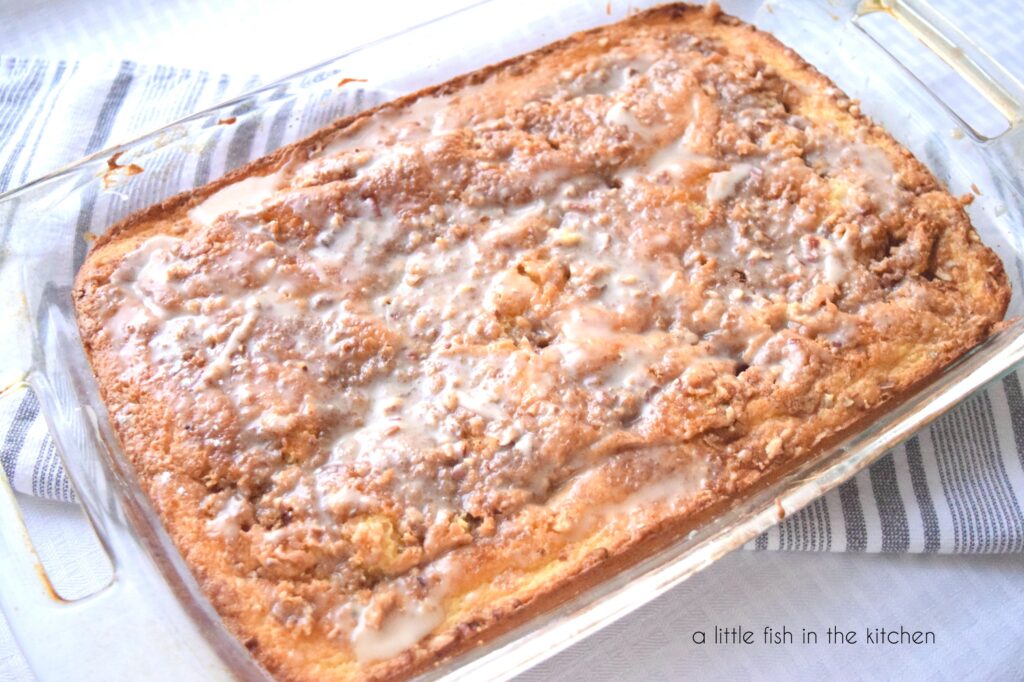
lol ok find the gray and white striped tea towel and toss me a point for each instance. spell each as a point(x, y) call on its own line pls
point(51, 114)
point(955, 487)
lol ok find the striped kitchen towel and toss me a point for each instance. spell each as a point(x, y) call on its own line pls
point(955, 487)
point(52, 114)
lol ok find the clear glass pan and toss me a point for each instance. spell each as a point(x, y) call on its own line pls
point(152, 620)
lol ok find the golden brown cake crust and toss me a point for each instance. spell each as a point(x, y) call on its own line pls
point(393, 386)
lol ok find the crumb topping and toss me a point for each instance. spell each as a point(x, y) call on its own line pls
point(626, 282)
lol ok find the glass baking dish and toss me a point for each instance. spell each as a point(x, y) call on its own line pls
point(152, 619)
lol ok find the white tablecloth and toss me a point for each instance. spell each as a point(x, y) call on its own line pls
point(973, 605)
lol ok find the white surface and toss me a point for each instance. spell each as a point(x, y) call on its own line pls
point(266, 37)
point(973, 604)
point(72, 557)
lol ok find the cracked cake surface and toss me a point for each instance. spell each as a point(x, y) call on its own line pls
point(397, 382)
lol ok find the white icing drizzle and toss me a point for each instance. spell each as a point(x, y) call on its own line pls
point(399, 631)
point(619, 115)
point(222, 362)
point(226, 523)
point(671, 490)
point(238, 196)
point(722, 185)
point(835, 268)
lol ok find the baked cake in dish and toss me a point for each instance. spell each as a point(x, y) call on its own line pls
point(395, 385)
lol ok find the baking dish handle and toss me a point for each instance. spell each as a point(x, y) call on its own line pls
point(992, 81)
point(971, 62)
point(87, 629)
